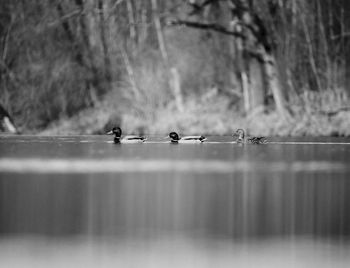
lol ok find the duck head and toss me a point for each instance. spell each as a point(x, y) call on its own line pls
point(117, 132)
point(239, 134)
point(174, 136)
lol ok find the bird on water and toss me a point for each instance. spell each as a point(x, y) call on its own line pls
point(175, 138)
point(6, 122)
point(241, 138)
point(126, 139)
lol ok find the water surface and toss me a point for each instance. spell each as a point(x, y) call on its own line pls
point(84, 201)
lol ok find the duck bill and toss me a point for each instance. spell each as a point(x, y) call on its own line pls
point(109, 132)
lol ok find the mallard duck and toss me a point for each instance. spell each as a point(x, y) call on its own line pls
point(241, 138)
point(6, 122)
point(175, 138)
point(126, 139)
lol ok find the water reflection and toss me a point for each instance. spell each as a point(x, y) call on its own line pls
point(245, 217)
point(236, 205)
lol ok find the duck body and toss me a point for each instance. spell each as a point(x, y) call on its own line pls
point(257, 140)
point(6, 122)
point(242, 139)
point(130, 139)
point(126, 139)
point(175, 138)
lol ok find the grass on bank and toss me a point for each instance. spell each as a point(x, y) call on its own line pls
point(313, 114)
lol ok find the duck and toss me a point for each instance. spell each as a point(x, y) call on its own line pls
point(241, 138)
point(175, 138)
point(6, 122)
point(117, 131)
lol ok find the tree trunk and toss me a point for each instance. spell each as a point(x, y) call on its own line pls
point(257, 83)
point(132, 26)
point(176, 84)
point(260, 64)
point(346, 6)
point(174, 80)
point(159, 31)
point(104, 29)
point(249, 70)
point(143, 26)
point(239, 66)
point(273, 82)
point(92, 46)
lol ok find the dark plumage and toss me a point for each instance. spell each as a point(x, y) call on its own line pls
point(6, 122)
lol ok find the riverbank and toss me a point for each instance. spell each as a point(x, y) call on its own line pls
point(311, 115)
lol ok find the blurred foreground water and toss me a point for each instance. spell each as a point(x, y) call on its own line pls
point(86, 202)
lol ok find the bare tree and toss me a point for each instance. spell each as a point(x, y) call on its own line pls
point(253, 51)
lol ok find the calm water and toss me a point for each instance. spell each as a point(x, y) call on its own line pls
point(85, 202)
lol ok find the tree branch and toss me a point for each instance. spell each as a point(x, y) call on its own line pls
point(63, 17)
point(197, 8)
point(205, 26)
point(345, 34)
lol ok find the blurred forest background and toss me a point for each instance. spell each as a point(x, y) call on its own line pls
point(274, 67)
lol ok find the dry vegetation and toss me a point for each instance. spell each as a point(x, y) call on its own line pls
point(314, 114)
